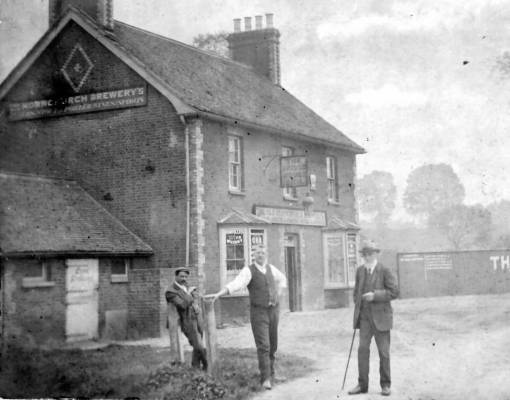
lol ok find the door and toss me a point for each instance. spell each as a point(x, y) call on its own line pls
point(82, 281)
point(293, 271)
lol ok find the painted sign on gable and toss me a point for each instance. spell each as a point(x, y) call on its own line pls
point(80, 103)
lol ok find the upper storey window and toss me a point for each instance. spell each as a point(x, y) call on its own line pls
point(235, 163)
point(331, 173)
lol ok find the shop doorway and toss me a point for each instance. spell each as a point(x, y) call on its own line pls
point(293, 270)
point(82, 306)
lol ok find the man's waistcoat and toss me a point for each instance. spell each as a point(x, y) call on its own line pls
point(262, 287)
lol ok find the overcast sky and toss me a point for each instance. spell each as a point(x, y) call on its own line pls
point(413, 81)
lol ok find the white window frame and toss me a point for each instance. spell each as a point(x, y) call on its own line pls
point(289, 193)
point(249, 248)
point(119, 278)
point(235, 163)
point(38, 281)
point(349, 277)
point(352, 256)
point(332, 178)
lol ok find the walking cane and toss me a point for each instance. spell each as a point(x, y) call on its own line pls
point(348, 359)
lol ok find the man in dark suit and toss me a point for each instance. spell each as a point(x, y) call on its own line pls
point(185, 301)
point(375, 287)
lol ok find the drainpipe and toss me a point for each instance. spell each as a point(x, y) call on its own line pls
point(2, 288)
point(188, 198)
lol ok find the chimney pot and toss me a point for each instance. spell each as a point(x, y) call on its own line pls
point(269, 20)
point(247, 23)
point(237, 25)
point(259, 48)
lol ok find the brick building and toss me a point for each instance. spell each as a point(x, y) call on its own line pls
point(188, 151)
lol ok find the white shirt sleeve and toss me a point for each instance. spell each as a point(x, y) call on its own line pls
point(240, 281)
point(279, 278)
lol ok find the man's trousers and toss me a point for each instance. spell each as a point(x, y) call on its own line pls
point(382, 339)
point(199, 355)
point(264, 324)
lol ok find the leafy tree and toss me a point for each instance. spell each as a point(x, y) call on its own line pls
point(500, 212)
point(376, 193)
point(432, 188)
point(215, 42)
point(503, 64)
point(464, 226)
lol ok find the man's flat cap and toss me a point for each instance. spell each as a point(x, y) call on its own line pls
point(182, 269)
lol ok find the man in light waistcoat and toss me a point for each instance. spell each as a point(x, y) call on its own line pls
point(265, 284)
point(374, 289)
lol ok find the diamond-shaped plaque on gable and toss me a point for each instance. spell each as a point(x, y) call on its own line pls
point(77, 68)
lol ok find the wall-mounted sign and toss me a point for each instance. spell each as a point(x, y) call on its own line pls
point(501, 262)
point(290, 216)
point(234, 238)
point(293, 171)
point(438, 261)
point(82, 103)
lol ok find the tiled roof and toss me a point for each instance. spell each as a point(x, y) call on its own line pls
point(220, 86)
point(52, 216)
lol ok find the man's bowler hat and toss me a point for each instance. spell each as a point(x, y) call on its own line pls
point(369, 247)
point(182, 269)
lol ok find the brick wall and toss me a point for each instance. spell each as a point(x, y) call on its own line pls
point(144, 303)
point(262, 186)
point(130, 160)
point(113, 303)
point(34, 316)
point(37, 316)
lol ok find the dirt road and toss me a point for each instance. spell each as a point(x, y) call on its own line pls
point(442, 348)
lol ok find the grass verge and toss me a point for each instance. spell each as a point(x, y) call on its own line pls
point(132, 371)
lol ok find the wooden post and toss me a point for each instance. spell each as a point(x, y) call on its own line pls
point(211, 342)
point(176, 350)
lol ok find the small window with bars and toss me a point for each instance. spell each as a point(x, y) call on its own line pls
point(119, 270)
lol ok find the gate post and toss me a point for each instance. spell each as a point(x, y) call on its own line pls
point(176, 350)
point(211, 342)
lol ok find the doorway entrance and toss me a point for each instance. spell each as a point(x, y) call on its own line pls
point(293, 270)
point(82, 306)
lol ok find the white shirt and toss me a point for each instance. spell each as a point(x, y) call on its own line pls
point(182, 287)
point(370, 266)
point(243, 279)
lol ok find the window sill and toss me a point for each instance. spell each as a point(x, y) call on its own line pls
point(119, 279)
point(333, 203)
point(290, 198)
point(36, 283)
point(236, 192)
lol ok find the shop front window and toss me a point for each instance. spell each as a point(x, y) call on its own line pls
point(340, 259)
point(238, 246)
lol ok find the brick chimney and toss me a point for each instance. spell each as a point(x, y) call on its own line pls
point(99, 10)
point(259, 47)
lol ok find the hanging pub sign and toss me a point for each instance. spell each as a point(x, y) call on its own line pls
point(77, 104)
point(293, 171)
